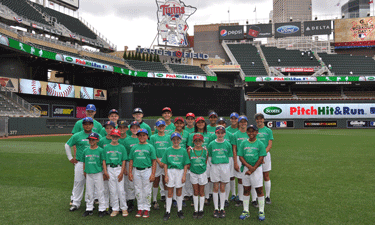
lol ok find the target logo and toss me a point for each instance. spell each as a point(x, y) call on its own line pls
point(223, 33)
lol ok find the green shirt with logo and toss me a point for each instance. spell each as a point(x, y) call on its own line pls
point(168, 129)
point(104, 142)
point(210, 129)
point(198, 161)
point(122, 141)
point(228, 137)
point(129, 143)
point(220, 152)
point(160, 143)
point(97, 128)
point(265, 135)
point(239, 137)
point(189, 130)
point(93, 159)
point(81, 141)
point(142, 155)
point(206, 139)
point(251, 151)
point(231, 130)
point(175, 158)
point(115, 154)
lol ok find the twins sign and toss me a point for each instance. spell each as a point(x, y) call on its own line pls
point(172, 25)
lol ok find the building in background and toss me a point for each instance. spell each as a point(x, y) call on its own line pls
point(297, 10)
point(356, 9)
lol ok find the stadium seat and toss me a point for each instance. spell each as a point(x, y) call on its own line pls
point(21, 8)
point(343, 64)
point(147, 66)
point(187, 69)
point(288, 58)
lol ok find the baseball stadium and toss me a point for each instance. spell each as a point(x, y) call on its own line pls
point(181, 131)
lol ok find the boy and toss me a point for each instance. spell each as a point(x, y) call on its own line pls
point(138, 116)
point(176, 161)
point(190, 118)
point(166, 113)
point(93, 164)
point(115, 156)
point(90, 112)
point(107, 127)
point(112, 116)
point(143, 164)
point(233, 128)
point(212, 126)
point(251, 153)
point(123, 128)
point(219, 152)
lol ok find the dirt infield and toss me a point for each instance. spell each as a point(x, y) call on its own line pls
point(26, 136)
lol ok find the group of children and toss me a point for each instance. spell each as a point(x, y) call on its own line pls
point(121, 162)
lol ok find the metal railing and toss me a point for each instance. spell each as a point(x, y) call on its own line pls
point(300, 43)
point(209, 71)
point(28, 108)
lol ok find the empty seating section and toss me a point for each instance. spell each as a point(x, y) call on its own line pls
point(147, 66)
point(288, 58)
point(248, 57)
point(187, 69)
point(21, 8)
point(8, 108)
point(318, 94)
point(343, 64)
point(270, 94)
point(358, 94)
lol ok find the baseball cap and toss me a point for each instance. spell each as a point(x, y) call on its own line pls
point(166, 109)
point(159, 123)
point(259, 115)
point(91, 107)
point(220, 128)
point(87, 120)
point(221, 119)
point(242, 118)
point(123, 123)
point(134, 123)
point(190, 114)
point(200, 119)
point(137, 110)
point(142, 131)
point(176, 134)
point(252, 126)
point(212, 114)
point(179, 119)
point(115, 132)
point(198, 136)
point(234, 114)
point(113, 111)
point(110, 123)
point(93, 136)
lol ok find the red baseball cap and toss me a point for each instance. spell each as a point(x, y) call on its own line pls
point(190, 114)
point(115, 132)
point(179, 119)
point(199, 119)
point(198, 136)
point(166, 109)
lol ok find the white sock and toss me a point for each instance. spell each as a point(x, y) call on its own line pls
point(206, 191)
point(240, 191)
point(161, 185)
point(227, 190)
point(155, 193)
point(216, 200)
point(169, 204)
point(246, 200)
point(211, 186)
point(201, 203)
point(261, 204)
point(222, 200)
point(233, 187)
point(267, 186)
point(253, 194)
point(179, 203)
point(195, 200)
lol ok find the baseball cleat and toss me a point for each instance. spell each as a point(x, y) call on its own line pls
point(268, 201)
point(261, 216)
point(87, 213)
point(73, 208)
point(255, 204)
point(166, 217)
point(244, 215)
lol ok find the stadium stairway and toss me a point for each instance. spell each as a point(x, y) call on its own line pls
point(13, 106)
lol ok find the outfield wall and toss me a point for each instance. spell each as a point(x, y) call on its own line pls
point(350, 114)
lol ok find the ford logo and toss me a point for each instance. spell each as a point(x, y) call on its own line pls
point(288, 29)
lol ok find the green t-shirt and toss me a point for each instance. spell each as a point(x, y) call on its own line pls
point(79, 127)
point(198, 161)
point(239, 137)
point(122, 141)
point(115, 154)
point(251, 151)
point(264, 135)
point(129, 143)
point(93, 159)
point(175, 158)
point(168, 129)
point(210, 129)
point(219, 152)
point(160, 143)
point(231, 130)
point(189, 130)
point(142, 155)
point(104, 141)
point(81, 141)
point(228, 137)
point(142, 125)
point(206, 138)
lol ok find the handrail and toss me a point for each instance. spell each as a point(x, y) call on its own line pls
point(28, 108)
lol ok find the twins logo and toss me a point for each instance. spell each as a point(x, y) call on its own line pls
point(223, 33)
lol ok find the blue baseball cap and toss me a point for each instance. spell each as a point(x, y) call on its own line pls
point(220, 128)
point(91, 107)
point(113, 111)
point(252, 126)
point(242, 118)
point(93, 136)
point(234, 114)
point(87, 120)
point(160, 122)
point(137, 110)
point(212, 114)
point(134, 123)
point(142, 131)
point(110, 123)
point(176, 134)
point(221, 119)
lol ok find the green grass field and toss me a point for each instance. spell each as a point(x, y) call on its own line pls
point(318, 177)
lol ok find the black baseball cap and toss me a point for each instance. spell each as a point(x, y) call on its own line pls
point(253, 127)
point(137, 110)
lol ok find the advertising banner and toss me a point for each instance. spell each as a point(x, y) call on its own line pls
point(176, 76)
point(73, 3)
point(100, 94)
point(84, 62)
point(60, 90)
point(296, 70)
point(354, 32)
point(290, 29)
point(84, 92)
point(44, 109)
point(279, 124)
point(231, 32)
point(317, 27)
point(316, 111)
point(310, 79)
point(33, 87)
point(80, 112)
point(62, 111)
point(360, 124)
point(317, 124)
point(11, 84)
point(259, 31)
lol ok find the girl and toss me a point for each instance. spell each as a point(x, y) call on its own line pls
point(166, 113)
point(233, 128)
point(190, 117)
point(213, 119)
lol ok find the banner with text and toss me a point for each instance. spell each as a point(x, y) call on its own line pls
point(44, 109)
point(259, 31)
point(360, 124)
point(317, 27)
point(290, 29)
point(11, 84)
point(310, 79)
point(177, 76)
point(354, 32)
point(62, 111)
point(231, 32)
